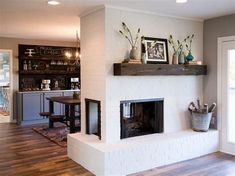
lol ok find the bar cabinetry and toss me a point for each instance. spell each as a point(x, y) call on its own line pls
point(31, 103)
point(37, 63)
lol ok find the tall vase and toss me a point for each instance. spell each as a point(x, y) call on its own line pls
point(189, 57)
point(175, 58)
point(181, 57)
point(134, 53)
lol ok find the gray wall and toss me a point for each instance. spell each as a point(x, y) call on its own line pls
point(214, 28)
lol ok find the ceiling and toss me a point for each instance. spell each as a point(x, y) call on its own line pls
point(35, 19)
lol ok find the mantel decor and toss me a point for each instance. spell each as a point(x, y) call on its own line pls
point(155, 49)
point(133, 57)
point(123, 69)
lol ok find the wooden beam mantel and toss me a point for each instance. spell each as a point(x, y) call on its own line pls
point(124, 69)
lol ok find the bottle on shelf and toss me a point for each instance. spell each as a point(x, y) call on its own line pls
point(25, 66)
point(56, 85)
point(29, 66)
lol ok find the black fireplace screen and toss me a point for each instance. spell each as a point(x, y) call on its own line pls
point(141, 117)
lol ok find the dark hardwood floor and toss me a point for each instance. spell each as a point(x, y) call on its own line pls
point(24, 152)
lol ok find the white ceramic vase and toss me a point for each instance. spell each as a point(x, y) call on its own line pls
point(134, 53)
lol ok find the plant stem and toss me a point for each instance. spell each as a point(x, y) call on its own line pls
point(136, 38)
point(131, 38)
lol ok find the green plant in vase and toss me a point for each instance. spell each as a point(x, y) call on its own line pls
point(127, 34)
point(76, 94)
point(189, 57)
point(178, 55)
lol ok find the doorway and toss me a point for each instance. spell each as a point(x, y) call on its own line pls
point(226, 92)
point(5, 86)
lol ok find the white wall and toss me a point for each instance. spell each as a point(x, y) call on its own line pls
point(102, 46)
point(177, 91)
point(92, 61)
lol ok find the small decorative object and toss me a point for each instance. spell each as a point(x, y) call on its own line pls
point(143, 51)
point(175, 59)
point(189, 57)
point(134, 53)
point(181, 59)
point(46, 84)
point(176, 48)
point(25, 66)
point(56, 84)
point(30, 52)
point(127, 34)
point(201, 117)
point(76, 95)
point(29, 66)
point(156, 50)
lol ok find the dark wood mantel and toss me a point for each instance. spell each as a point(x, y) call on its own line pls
point(124, 69)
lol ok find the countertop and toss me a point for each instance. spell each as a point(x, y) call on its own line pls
point(48, 91)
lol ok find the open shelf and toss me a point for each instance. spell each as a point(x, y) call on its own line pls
point(124, 69)
point(44, 72)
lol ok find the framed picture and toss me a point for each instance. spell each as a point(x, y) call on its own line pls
point(155, 49)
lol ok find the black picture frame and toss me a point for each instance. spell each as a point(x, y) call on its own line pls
point(155, 50)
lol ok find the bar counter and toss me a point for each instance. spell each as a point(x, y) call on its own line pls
point(31, 103)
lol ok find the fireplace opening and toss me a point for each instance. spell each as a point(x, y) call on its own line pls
point(93, 118)
point(141, 117)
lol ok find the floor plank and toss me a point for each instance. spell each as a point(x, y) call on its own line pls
point(216, 164)
point(24, 152)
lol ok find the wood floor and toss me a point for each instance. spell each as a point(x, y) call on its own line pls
point(24, 152)
point(216, 164)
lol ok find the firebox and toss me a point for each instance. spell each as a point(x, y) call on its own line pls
point(141, 117)
point(93, 117)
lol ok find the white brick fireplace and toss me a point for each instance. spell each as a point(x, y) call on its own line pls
point(101, 47)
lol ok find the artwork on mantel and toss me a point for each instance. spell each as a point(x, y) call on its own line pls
point(154, 50)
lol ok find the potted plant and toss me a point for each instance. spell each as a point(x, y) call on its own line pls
point(178, 55)
point(189, 57)
point(127, 34)
point(76, 94)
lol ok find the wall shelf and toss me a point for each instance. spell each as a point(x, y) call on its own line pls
point(45, 72)
point(124, 69)
point(38, 62)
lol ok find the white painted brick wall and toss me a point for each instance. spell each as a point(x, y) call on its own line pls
point(102, 46)
point(139, 153)
point(177, 91)
point(92, 61)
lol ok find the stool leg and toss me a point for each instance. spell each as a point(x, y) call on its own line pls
point(51, 124)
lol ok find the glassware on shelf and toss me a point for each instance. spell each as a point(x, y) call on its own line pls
point(29, 66)
point(53, 62)
point(25, 66)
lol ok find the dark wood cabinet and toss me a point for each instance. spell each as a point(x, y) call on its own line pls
point(37, 62)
